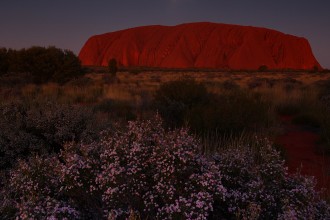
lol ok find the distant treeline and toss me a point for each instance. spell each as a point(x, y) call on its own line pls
point(41, 63)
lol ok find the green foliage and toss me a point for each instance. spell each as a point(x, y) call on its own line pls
point(256, 175)
point(159, 174)
point(69, 68)
point(175, 99)
point(186, 102)
point(43, 128)
point(43, 64)
point(263, 68)
point(3, 61)
point(315, 69)
point(112, 66)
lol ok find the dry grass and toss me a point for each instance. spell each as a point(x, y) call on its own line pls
point(139, 88)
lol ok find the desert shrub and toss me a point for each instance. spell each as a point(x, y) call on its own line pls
point(256, 83)
point(25, 130)
point(281, 149)
point(174, 99)
point(145, 169)
point(80, 82)
point(159, 174)
point(315, 69)
point(162, 169)
point(69, 68)
point(230, 84)
point(40, 63)
point(229, 113)
point(35, 188)
point(263, 68)
point(116, 109)
point(232, 111)
point(112, 67)
point(259, 186)
point(15, 80)
point(289, 83)
point(44, 64)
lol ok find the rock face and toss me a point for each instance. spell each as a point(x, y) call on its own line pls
point(200, 45)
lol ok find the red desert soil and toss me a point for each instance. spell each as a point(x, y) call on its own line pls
point(200, 45)
point(300, 146)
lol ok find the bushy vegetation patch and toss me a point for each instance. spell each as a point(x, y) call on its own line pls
point(188, 102)
point(43, 64)
point(116, 109)
point(259, 186)
point(149, 172)
point(31, 129)
point(175, 99)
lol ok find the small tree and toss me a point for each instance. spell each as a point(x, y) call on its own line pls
point(263, 68)
point(315, 69)
point(112, 65)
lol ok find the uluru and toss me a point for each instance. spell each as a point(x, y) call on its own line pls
point(200, 45)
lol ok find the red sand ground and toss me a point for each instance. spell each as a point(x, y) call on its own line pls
point(200, 45)
point(300, 146)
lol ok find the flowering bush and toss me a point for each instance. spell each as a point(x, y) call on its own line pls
point(35, 189)
point(157, 173)
point(144, 170)
point(259, 186)
point(148, 172)
point(25, 130)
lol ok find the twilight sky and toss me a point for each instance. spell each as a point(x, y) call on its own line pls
point(68, 24)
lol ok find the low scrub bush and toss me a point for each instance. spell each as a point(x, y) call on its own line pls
point(116, 109)
point(187, 102)
point(259, 186)
point(145, 169)
point(230, 84)
point(229, 113)
point(174, 99)
point(152, 173)
point(43, 64)
point(27, 130)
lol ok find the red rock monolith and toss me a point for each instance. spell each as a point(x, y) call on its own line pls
point(200, 45)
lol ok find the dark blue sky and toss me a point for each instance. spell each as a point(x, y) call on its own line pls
point(68, 23)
